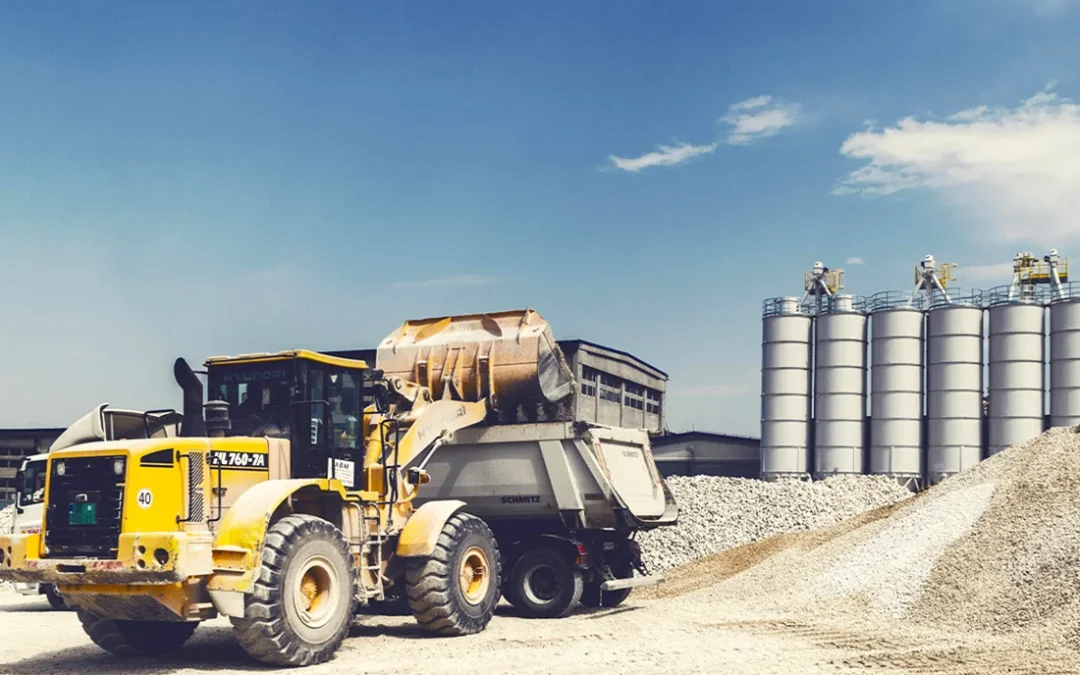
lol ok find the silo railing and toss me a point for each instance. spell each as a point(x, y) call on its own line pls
point(785, 306)
point(893, 299)
point(957, 297)
point(1024, 295)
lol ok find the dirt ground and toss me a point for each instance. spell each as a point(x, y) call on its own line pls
point(696, 632)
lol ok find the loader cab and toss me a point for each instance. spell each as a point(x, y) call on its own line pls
point(311, 399)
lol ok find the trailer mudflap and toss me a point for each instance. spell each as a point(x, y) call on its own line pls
point(633, 582)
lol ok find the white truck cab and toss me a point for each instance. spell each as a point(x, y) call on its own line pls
point(29, 512)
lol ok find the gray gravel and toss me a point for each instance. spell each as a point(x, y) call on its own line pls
point(1016, 570)
point(7, 519)
point(993, 551)
point(7, 524)
point(720, 513)
point(890, 567)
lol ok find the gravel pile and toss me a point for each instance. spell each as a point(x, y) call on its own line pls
point(7, 523)
point(1017, 569)
point(891, 566)
point(7, 519)
point(993, 550)
point(717, 513)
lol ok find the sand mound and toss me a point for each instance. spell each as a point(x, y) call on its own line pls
point(995, 549)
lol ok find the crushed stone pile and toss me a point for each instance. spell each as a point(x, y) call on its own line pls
point(717, 513)
point(7, 519)
point(7, 523)
point(993, 550)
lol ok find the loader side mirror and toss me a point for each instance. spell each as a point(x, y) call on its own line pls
point(382, 397)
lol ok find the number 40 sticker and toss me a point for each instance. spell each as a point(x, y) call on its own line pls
point(145, 498)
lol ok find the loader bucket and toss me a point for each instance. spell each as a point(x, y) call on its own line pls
point(509, 357)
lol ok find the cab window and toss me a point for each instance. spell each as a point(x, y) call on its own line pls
point(340, 390)
point(343, 392)
point(31, 484)
point(258, 396)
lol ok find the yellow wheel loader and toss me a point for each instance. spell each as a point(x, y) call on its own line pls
point(285, 502)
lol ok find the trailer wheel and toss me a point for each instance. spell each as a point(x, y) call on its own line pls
point(136, 638)
point(545, 584)
point(592, 596)
point(508, 591)
point(454, 590)
point(304, 599)
point(56, 601)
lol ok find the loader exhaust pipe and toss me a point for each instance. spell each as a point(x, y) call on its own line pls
point(193, 426)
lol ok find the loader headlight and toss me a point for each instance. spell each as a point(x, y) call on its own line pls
point(61, 468)
point(118, 467)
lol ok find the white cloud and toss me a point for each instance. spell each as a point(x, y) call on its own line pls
point(445, 282)
point(665, 155)
point(854, 260)
point(1049, 8)
point(751, 103)
point(1016, 172)
point(759, 117)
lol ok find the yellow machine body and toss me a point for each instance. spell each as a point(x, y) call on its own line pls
point(191, 513)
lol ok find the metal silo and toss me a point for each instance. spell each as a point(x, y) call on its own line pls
point(839, 388)
point(897, 328)
point(1017, 356)
point(954, 378)
point(785, 390)
point(1065, 358)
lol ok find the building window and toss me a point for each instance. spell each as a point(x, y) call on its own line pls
point(610, 388)
point(588, 381)
point(652, 402)
point(634, 396)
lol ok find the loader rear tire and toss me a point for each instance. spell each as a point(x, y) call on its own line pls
point(56, 601)
point(303, 602)
point(454, 591)
point(136, 638)
point(545, 584)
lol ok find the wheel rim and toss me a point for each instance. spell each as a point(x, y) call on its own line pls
point(315, 596)
point(541, 584)
point(474, 575)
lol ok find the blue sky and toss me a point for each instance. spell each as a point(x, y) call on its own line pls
point(208, 178)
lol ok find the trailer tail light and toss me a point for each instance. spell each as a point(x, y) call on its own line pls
point(583, 557)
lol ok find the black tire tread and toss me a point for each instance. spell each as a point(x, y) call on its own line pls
point(428, 582)
point(136, 638)
point(556, 611)
point(262, 631)
point(592, 596)
point(56, 601)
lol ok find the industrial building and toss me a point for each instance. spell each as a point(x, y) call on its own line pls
point(614, 388)
point(897, 384)
point(15, 444)
point(701, 453)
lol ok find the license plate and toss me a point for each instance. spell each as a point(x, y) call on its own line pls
point(84, 513)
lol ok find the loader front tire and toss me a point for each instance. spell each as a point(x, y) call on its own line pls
point(454, 590)
point(136, 638)
point(303, 602)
